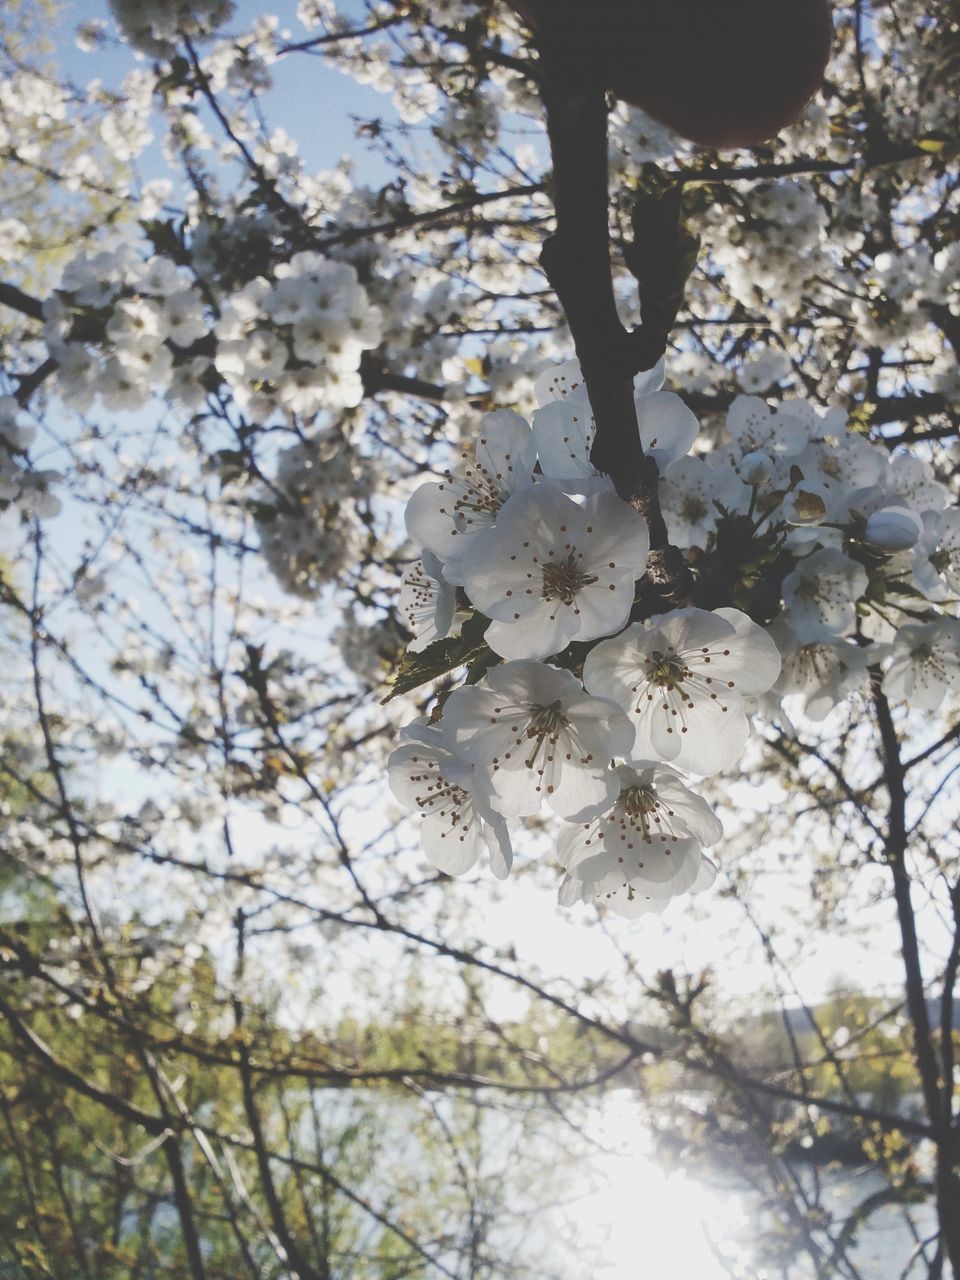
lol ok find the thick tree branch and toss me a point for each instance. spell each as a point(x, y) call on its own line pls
point(576, 260)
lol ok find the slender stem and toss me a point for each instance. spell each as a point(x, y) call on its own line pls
point(936, 1100)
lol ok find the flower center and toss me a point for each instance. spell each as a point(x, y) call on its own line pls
point(693, 509)
point(638, 801)
point(543, 726)
point(563, 579)
point(941, 560)
point(668, 670)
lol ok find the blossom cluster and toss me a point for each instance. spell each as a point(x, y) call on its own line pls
point(857, 551)
point(841, 562)
point(155, 26)
point(125, 329)
point(308, 534)
point(592, 713)
point(22, 486)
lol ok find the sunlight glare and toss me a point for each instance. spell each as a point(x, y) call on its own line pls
point(646, 1221)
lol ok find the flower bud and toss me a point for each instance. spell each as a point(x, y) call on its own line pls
point(893, 529)
point(756, 468)
point(803, 505)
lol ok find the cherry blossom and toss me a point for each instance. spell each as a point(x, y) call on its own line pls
point(653, 805)
point(818, 666)
point(936, 561)
point(427, 602)
point(823, 589)
point(458, 823)
point(564, 427)
point(925, 664)
point(446, 517)
point(753, 425)
point(692, 494)
point(682, 679)
point(552, 571)
point(540, 738)
point(643, 883)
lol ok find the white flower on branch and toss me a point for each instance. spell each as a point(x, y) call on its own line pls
point(540, 738)
point(552, 571)
point(564, 427)
point(818, 666)
point(692, 493)
point(936, 560)
point(427, 602)
point(823, 589)
point(445, 518)
point(925, 664)
point(458, 822)
point(653, 802)
point(683, 679)
point(641, 878)
point(753, 425)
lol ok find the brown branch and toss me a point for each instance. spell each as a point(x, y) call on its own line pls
point(889, 154)
point(278, 1218)
point(67, 1076)
point(891, 409)
point(11, 296)
point(403, 221)
point(936, 1101)
point(576, 260)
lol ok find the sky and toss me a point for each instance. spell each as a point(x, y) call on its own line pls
point(310, 99)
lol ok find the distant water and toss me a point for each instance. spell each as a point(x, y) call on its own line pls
point(647, 1223)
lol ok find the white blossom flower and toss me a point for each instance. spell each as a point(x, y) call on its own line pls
point(653, 803)
point(683, 679)
point(925, 664)
point(458, 823)
point(823, 589)
point(558, 382)
point(911, 479)
point(552, 571)
point(445, 518)
point(753, 425)
point(427, 602)
point(817, 665)
point(184, 318)
point(539, 737)
point(667, 427)
point(643, 885)
point(691, 494)
point(564, 431)
point(564, 427)
point(936, 561)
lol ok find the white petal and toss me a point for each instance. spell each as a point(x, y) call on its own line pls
point(543, 630)
point(667, 427)
point(755, 652)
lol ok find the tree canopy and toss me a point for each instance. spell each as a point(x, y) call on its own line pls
point(480, 582)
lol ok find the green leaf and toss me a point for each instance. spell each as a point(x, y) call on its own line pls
point(466, 649)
